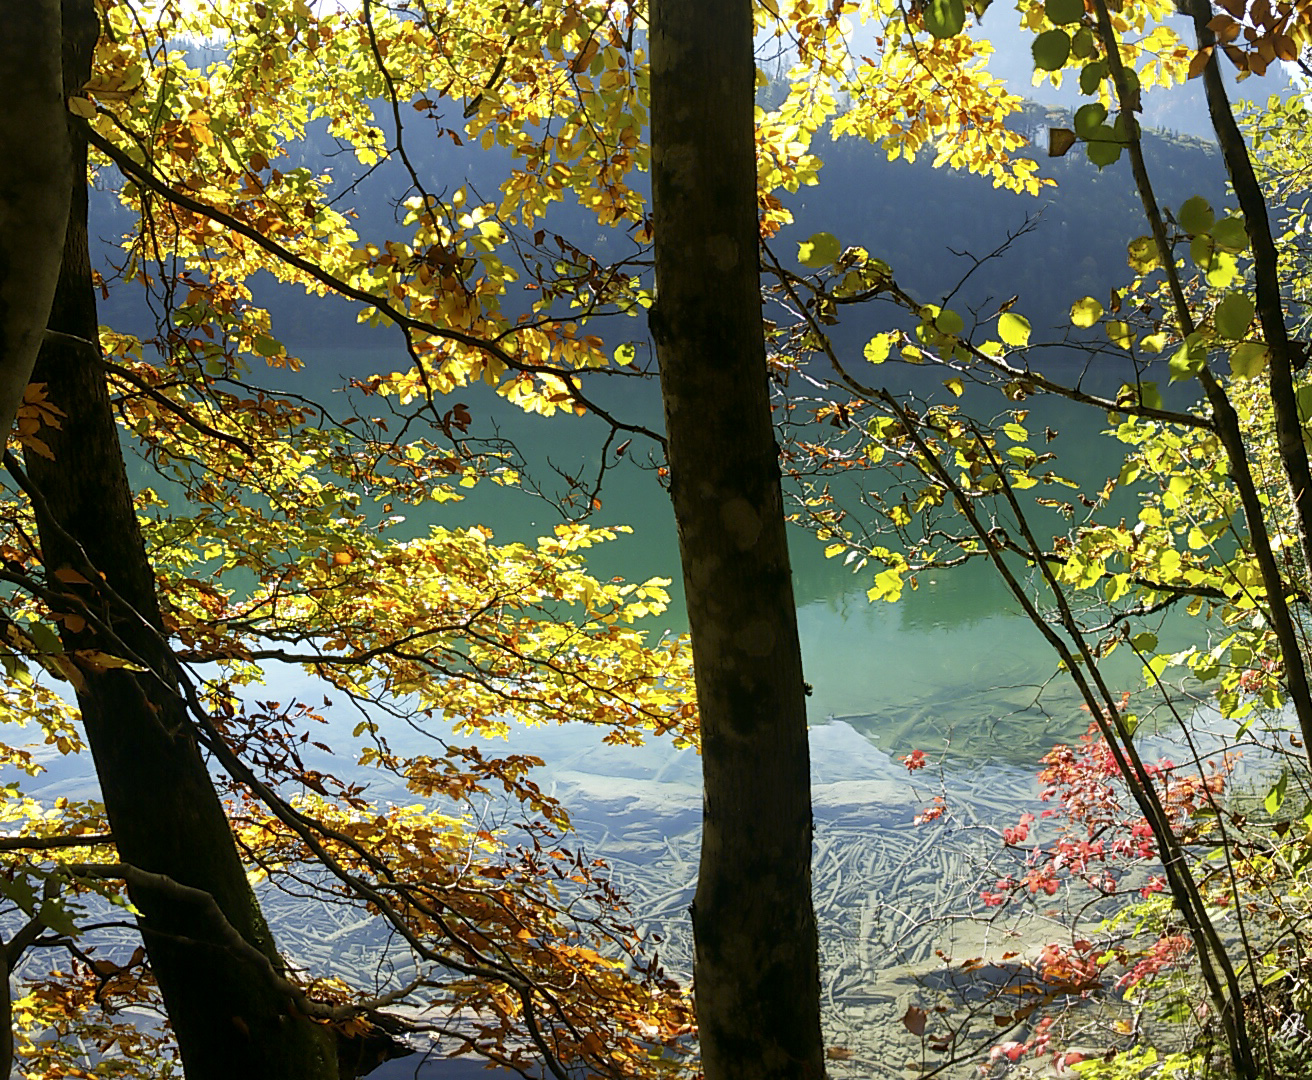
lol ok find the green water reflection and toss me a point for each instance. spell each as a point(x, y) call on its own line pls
point(953, 662)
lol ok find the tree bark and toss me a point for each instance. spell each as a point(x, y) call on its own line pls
point(756, 974)
point(36, 183)
point(229, 1019)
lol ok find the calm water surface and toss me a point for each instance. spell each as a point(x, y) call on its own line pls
point(953, 668)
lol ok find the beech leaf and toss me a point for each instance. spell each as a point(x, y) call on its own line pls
point(914, 1019)
point(1063, 12)
point(945, 18)
point(1195, 215)
point(1085, 312)
point(821, 250)
point(1059, 141)
point(1233, 315)
point(1014, 329)
point(1051, 50)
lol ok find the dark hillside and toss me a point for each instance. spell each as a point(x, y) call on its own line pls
point(909, 214)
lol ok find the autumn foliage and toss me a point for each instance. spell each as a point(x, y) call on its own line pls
point(326, 537)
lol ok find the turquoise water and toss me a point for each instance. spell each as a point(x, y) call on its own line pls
point(954, 668)
point(954, 658)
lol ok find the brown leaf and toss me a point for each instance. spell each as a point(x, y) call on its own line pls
point(914, 1020)
point(1200, 59)
point(1059, 141)
point(31, 442)
point(584, 57)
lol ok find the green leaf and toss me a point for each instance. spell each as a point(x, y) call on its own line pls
point(1103, 146)
point(957, 386)
point(1223, 269)
point(1085, 312)
point(267, 346)
point(1082, 44)
point(45, 638)
point(625, 355)
point(1234, 314)
point(1187, 361)
point(1144, 642)
point(1051, 49)
point(1276, 795)
point(1155, 343)
point(1092, 75)
point(1202, 250)
point(1195, 215)
point(1089, 118)
point(821, 250)
point(20, 891)
point(1132, 85)
point(948, 321)
point(56, 916)
point(945, 18)
point(1303, 398)
point(1229, 234)
point(1141, 254)
point(1063, 12)
point(1248, 359)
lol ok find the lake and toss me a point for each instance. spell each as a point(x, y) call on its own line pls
point(953, 669)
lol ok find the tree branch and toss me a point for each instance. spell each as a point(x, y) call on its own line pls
point(145, 176)
point(1270, 307)
point(1225, 419)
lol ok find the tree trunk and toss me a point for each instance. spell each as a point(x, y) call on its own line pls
point(756, 978)
point(36, 183)
point(163, 809)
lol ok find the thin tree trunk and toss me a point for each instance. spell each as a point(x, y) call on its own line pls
point(229, 1019)
point(36, 183)
point(756, 978)
point(1266, 280)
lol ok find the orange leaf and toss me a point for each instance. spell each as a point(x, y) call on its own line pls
point(1199, 61)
